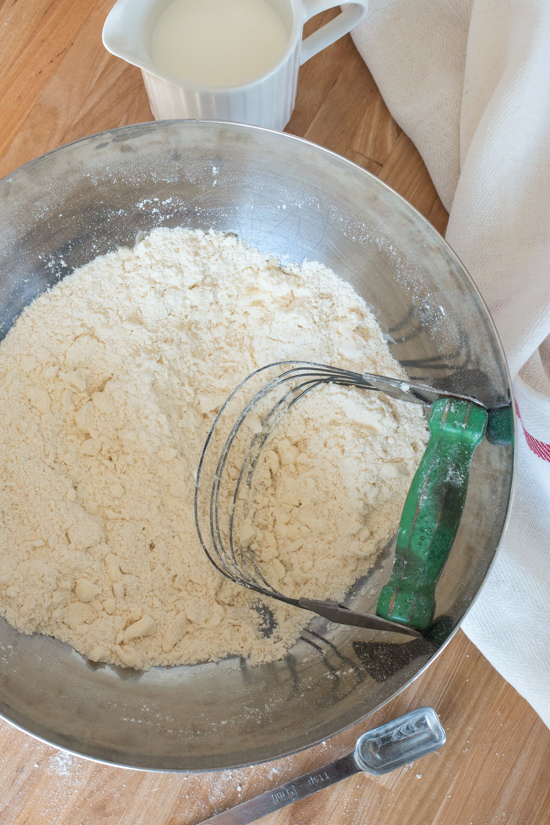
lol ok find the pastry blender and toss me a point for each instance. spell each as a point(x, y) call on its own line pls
point(431, 514)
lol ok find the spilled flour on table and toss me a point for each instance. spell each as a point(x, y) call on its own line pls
point(61, 763)
point(109, 385)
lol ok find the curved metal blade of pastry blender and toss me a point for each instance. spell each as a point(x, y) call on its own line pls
point(432, 510)
point(218, 491)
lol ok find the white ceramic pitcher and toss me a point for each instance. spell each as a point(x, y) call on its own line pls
point(267, 100)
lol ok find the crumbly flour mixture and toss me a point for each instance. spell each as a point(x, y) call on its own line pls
point(109, 385)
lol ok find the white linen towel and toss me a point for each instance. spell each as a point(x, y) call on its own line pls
point(469, 83)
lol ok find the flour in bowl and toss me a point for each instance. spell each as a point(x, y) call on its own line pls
point(109, 385)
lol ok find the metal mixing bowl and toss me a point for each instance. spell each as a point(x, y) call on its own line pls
point(296, 200)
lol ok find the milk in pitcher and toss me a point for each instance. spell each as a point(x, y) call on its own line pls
point(218, 42)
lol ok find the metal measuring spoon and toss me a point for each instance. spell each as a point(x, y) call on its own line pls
point(378, 751)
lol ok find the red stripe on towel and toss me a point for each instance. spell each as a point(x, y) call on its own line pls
point(538, 447)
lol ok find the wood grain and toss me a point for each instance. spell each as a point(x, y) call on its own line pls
point(57, 84)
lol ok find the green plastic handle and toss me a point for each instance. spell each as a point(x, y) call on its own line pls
point(432, 512)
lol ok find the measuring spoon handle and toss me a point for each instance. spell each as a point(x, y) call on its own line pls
point(378, 751)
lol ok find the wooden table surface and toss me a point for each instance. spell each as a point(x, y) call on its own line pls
point(57, 83)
